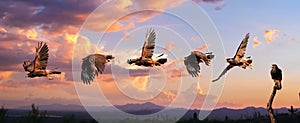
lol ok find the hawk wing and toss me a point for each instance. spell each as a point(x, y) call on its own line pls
point(191, 63)
point(148, 48)
point(224, 72)
point(91, 66)
point(192, 67)
point(41, 58)
point(276, 74)
point(242, 48)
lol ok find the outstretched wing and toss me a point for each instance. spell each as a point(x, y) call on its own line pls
point(192, 67)
point(224, 72)
point(41, 58)
point(91, 66)
point(192, 61)
point(149, 45)
point(242, 48)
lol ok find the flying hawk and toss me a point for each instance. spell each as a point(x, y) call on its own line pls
point(92, 65)
point(276, 75)
point(238, 59)
point(37, 67)
point(147, 53)
point(192, 61)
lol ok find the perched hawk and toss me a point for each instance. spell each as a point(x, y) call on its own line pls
point(92, 65)
point(147, 53)
point(238, 59)
point(276, 75)
point(37, 67)
point(192, 61)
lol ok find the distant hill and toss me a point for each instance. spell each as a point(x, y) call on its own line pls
point(234, 114)
point(140, 109)
point(149, 108)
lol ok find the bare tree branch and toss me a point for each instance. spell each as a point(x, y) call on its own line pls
point(269, 105)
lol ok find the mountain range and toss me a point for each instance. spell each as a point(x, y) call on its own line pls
point(149, 108)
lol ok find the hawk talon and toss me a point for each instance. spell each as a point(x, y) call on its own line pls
point(251, 66)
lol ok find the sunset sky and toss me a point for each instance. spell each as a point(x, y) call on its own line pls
point(75, 28)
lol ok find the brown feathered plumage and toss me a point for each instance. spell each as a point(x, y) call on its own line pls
point(238, 59)
point(92, 65)
point(147, 52)
point(37, 67)
point(276, 75)
point(192, 61)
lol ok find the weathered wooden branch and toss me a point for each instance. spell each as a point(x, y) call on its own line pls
point(269, 106)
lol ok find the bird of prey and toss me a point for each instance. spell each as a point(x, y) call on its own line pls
point(37, 67)
point(276, 75)
point(238, 59)
point(147, 53)
point(92, 65)
point(192, 61)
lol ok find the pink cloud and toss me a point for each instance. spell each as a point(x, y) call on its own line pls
point(256, 42)
point(270, 35)
point(169, 46)
point(204, 47)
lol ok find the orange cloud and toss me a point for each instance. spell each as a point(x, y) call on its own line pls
point(83, 48)
point(140, 16)
point(270, 35)
point(118, 26)
point(5, 74)
point(71, 38)
point(140, 82)
point(173, 71)
point(256, 42)
point(118, 8)
point(147, 4)
point(204, 47)
point(199, 89)
point(146, 15)
point(170, 96)
point(30, 33)
point(3, 30)
point(124, 4)
point(169, 46)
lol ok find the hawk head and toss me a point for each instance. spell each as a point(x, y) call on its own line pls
point(274, 66)
point(209, 55)
point(109, 57)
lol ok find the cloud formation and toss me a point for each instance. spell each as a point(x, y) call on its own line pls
point(49, 15)
point(208, 1)
point(169, 46)
point(204, 47)
point(256, 42)
point(270, 35)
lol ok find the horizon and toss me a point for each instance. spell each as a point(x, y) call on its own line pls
point(24, 107)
